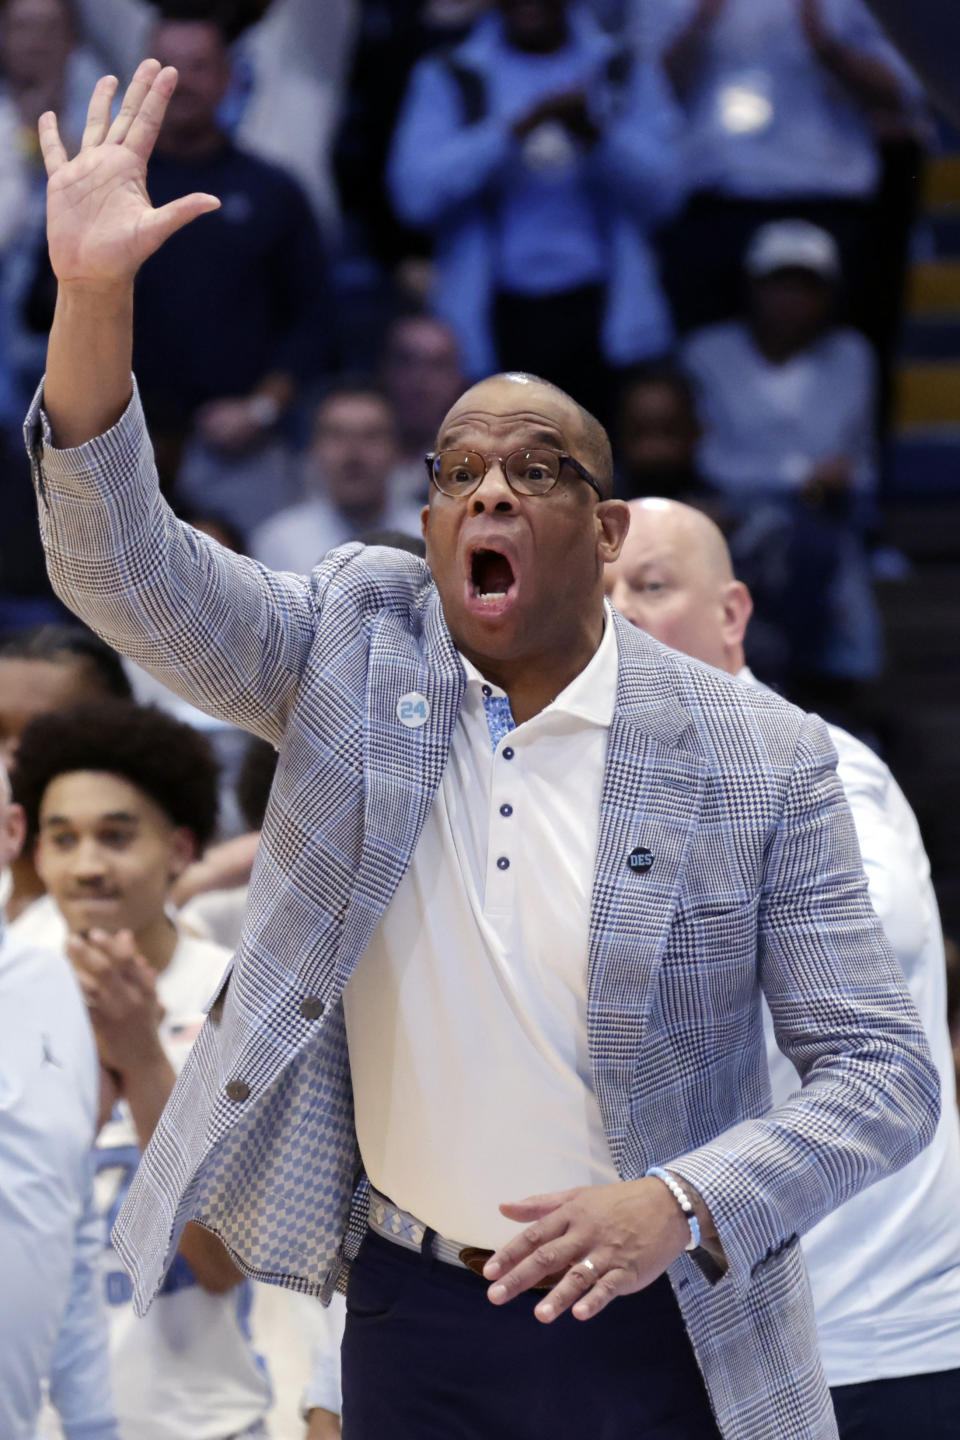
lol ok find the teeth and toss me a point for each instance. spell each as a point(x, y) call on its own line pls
point(492, 595)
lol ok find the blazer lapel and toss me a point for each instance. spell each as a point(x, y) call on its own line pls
point(413, 700)
point(652, 793)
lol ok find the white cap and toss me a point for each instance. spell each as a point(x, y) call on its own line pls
point(793, 244)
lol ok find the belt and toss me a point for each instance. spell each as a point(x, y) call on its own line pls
point(391, 1223)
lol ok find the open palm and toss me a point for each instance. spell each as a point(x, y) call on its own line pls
point(101, 225)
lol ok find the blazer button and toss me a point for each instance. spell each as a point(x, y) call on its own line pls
point(311, 1008)
point(237, 1090)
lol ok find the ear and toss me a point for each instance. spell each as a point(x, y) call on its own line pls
point(737, 609)
point(424, 517)
point(183, 851)
point(613, 518)
point(13, 830)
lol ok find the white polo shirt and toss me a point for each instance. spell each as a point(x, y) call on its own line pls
point(467, 1014)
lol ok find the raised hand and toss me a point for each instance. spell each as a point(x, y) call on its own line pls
point(101, 226)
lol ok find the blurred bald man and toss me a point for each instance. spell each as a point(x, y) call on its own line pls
point(885, 1267)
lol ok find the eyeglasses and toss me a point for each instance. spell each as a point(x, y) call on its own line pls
point(458, 473)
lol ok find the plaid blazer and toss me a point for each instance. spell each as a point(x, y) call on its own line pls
point(756, 883)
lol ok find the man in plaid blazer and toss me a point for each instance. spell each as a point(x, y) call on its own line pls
point(725, 865)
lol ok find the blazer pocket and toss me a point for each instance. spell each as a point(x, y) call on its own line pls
point(710, 929)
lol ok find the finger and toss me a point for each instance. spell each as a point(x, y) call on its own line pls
point(522, 1245)
point(145, 125)
point(98, 111)
point(118, 945)
point(51, 146)
point(163, 223)
point(579, 1282)
point(87, 958)
point(552, 1259)
point(534, 1207)
point(136, 92)
point(607, 1288)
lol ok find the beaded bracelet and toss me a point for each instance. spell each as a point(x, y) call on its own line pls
point(683, 1200)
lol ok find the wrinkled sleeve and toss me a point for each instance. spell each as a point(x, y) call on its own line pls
point(227, 634)
point(842, 1014)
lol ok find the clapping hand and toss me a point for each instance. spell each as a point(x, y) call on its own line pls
point(101, 226)
point(121, 994)
point(569, 109)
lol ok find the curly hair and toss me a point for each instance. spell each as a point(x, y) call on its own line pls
point(169, 761)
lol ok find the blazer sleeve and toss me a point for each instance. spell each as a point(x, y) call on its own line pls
point(870, 1096)
point(224, 632)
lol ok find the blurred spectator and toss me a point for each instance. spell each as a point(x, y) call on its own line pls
point(119, 798)
point(352, 457)
point(231, 313)
point(787, 397)
point(392, 35)
point(288, 61)
point(783, 98)
point(787, 403)
point(44, 669)
point(657, 435)
point(541, 156)
point(49, 1229)
point(420, 368)
point(42, 68)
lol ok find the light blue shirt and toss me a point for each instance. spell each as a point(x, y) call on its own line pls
point(550, 236)
point(766, 118)
point(49, 1233)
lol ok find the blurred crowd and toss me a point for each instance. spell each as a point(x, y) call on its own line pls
point(693, 215)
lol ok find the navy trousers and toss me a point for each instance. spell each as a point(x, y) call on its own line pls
point(427, 1357)
point(912, 1405)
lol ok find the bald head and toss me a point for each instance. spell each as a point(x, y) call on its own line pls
point(674, 579)
point(582, 432)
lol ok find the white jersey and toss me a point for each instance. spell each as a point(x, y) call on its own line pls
point(187, 1370)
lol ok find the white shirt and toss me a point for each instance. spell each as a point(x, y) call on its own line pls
point(298, 538)
point(767, 426)
point(48, 1109)
point(187, 1369)
point(885, 1267)
point(466, 1015)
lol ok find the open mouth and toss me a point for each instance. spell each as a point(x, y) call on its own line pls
point(491, 576)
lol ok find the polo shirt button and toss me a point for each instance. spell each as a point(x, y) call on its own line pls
point(311, 1008)
point(237, 1090)
point(503, 863)
point(506, 810)
point(486, 690)
point(508, 753)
